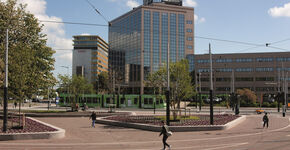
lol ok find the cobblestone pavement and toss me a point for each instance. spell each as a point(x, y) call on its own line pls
point(249, 135)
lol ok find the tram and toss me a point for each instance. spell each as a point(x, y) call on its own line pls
point(119, 101)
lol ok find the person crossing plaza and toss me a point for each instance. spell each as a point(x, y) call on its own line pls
point(265, 120)
point(94, 118)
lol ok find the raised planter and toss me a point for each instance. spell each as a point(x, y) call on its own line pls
point(56, 134)
point(155, 128)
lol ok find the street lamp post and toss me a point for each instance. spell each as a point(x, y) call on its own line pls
point(67, 67)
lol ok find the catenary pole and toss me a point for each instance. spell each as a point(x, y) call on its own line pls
point(211, 87)
point(5, 86)
point(168, 90)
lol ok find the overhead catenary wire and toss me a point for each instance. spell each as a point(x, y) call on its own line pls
point(199, 37)
point(97, 10)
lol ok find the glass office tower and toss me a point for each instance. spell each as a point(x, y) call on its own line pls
point(139, 41)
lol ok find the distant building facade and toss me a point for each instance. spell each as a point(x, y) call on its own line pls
point(263, 73)
point(140, 38)
point(90, 56)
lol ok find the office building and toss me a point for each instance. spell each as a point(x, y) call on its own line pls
point(90, 56)
point(263, 73)
point(139, 40)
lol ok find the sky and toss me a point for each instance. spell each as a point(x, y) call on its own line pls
point(230, 26)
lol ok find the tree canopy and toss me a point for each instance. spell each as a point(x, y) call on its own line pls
point(30, 60)
point(180, 82)
point(247, 95)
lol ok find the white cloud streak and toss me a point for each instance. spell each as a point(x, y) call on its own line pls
point(280, 11)
point(55, 32)
point(132, 3)
point(198, 20)
point(189, 3)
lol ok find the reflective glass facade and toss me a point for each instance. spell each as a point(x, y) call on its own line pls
point(125, 47)
point(139, 40)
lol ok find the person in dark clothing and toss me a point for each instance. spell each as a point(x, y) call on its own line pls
point(94, 118)
point(15, 104)
point(164, 131)
point(265, 120)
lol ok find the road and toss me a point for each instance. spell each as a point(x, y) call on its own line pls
point(249, 135)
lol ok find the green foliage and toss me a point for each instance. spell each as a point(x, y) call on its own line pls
point(76, 85)
point(30, 60)
point(180, 82)
point(247, 96)
point(102, 83)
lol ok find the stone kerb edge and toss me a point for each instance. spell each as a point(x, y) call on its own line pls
point(235, 122)
point(60, 133)
point(155, 128)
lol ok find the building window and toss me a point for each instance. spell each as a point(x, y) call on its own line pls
point(226, 60)
point(223, 89)
point(223, 69)
point(241, 79)
point(266, 59)
point(203, 70)
point(264, 78)
point(189, 30)
point(264, 88)
point(244, 60)
point(244, 69)
point(283, 59)
point(264, 69)
point(189, 38)
point(188, 21)
point(223, 79)
point(189, 47)
point(202, 61)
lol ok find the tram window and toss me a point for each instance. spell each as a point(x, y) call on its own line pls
point(122, 100)
point(95, 100)
point(150, 101)
point(157, 101)
point(98, 100)
point(108, 100)
point(89, 100)
point(135, 101)
point(161, 101)
point(146, 101)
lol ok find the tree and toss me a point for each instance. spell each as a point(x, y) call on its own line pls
point(102, 83)
point(246, 95)
point(157, 80)
point(30, 60)
point(181, 87)
point(75, 86)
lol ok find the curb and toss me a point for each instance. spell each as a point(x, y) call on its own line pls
point(155, 128)
point(60, 133)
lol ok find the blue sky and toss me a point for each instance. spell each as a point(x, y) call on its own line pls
point(252, 21)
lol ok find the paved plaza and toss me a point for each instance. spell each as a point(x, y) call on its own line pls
point(249, 135)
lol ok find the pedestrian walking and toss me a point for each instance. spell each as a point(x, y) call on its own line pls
point(15, 105)
point(94, 118)
point(166, 133)
point(265, 120)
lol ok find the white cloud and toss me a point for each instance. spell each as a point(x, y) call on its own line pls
point(280, 11)
point(132, 3)
point(65, 56)
point(201, 20)
point(55, 32)
point(198, 20)
point(189, 3)
point(85, 34)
